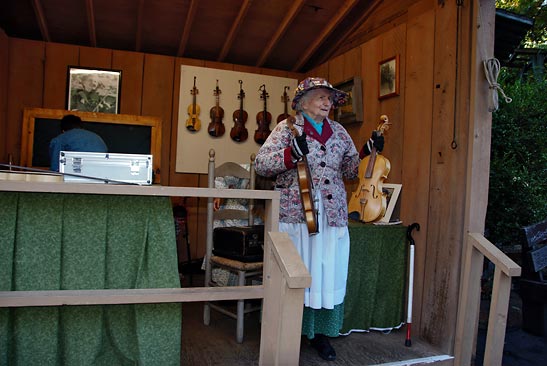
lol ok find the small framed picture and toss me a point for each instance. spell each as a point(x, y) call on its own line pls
point(352, 111)
point(93, 90)
point(388, 77)
point(393, 191)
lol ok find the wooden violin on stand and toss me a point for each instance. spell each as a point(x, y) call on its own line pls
point(239, 132)
point(193, 123)
point(305, 184)
point(263, 119)
point(285, 100)
point(369, 200)
point(216, 127)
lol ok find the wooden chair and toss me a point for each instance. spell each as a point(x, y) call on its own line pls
point(244, 270)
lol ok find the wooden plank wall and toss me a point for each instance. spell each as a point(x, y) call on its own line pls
point(35, 74)
point(4, 42)
point(428, 115)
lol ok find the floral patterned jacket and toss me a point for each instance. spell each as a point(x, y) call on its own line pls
point(332, 158)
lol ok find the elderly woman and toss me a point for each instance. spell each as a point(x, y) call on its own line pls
point(331, 157)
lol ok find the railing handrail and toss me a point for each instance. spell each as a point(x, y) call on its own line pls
point(495, 255)
point(285, 275)
point(476, 248)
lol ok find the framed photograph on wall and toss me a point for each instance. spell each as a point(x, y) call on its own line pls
point(393, 192)
point(388, 77)
point(93, 90)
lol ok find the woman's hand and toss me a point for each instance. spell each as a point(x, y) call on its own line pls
point(216, 204)
point(375, 140)
point(299, 147)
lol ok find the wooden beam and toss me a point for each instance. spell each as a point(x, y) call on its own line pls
point(127, 296)
point(335, 46)
point(495, 255)
point(91, 23)
point(344, 10)
point(235, 26)
point(187, 26)
point(39, 12)
point(138, 37)
point(287, 20)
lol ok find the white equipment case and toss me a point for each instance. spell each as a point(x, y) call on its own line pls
point(92, 167)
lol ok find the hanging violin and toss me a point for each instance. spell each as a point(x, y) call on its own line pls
point(285, 100)
point(369, 200)
point(193, 123)
point(305, 185)
point(239, 133)
point(263, 119)
point(216, 127)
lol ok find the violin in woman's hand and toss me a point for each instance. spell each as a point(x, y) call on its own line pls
point(263, 118)
point(239, 132)
point(370, 200)
point(216, 127)
point(193, 122)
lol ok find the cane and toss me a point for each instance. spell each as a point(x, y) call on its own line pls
point(413, 226)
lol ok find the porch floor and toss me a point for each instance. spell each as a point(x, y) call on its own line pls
point(216, 345)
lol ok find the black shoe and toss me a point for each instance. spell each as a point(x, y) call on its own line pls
point(322, 346)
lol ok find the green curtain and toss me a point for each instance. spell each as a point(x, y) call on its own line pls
point(376, 278)
point(74, 241)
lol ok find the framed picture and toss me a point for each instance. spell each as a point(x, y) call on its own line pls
point(352, 111)
point(393, 192)
point(93, 90)
point(388, 77)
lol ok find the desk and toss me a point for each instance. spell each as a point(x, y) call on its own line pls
point(53, 241)
point(376, 277)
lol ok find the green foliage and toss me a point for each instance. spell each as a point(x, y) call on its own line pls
point(518, 165)
point(535, 9)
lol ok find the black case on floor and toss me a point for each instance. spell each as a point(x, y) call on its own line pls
point(242, 243)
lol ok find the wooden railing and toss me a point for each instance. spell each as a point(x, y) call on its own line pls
point(477, 248)
point(285, 276)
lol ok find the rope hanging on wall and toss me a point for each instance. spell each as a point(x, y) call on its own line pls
point(492, 70)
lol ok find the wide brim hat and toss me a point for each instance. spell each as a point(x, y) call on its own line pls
point(338, 96)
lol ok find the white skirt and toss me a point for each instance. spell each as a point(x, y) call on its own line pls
point(326, 256)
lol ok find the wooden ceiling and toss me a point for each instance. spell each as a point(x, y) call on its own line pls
point(290, 35)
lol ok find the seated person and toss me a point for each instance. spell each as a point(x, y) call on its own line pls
point(74, 137)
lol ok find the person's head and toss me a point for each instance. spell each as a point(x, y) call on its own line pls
point(70, 121)
point(315, 95)
point(89, 83)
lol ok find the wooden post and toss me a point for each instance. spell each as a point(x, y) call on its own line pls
point(497, 320)
point(285, 278)
point(468, 305)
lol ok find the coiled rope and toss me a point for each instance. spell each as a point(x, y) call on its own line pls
point(492, 70)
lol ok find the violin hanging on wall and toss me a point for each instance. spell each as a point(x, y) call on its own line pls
point(239, 132)
point(285, 100)
point(369, 200)
point(216, 127)
point(193, 122)
point(263, 118)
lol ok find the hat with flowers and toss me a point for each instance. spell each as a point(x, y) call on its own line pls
point(338, 96)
